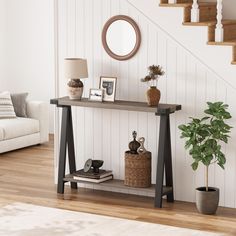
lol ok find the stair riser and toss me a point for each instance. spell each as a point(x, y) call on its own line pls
point(207, 13)
point(234, 55)
point(211, 33)
point(229, 33)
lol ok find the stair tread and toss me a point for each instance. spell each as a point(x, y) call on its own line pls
point(203, 23)
point(231, 42)
point(187, 4)
point(209, 23)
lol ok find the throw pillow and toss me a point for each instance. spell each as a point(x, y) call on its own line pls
point(19, 103)
point(6, 107)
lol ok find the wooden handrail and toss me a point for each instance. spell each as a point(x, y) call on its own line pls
point(219, 31)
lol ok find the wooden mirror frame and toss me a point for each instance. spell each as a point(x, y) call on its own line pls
point(137, 32)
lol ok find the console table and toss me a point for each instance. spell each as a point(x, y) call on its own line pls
point(164, 163)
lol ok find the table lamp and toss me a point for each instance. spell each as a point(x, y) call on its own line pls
point(75, 69)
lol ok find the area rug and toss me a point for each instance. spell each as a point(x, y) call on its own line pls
point(31, 220)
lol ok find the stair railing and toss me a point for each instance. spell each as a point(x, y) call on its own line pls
point(195, 15)
point(219, 31)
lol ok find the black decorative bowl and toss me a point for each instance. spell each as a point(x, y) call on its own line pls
point(96, 164)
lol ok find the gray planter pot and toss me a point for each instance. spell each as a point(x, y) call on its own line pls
point(207, 202)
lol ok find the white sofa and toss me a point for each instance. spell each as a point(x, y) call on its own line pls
point(22, 132)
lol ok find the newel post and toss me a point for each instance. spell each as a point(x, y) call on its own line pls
point(219, 31)
point(195, 13)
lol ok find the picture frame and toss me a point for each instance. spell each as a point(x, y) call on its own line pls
point(96, 95)
point(108, 84)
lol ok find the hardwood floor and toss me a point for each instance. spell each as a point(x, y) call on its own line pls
point(27, 176)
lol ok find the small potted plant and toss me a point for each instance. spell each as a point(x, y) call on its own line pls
point(153, 94)
point(203, 140)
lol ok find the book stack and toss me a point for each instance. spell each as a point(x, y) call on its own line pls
point(93, 177)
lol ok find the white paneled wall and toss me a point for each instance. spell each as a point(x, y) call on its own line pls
point(27, 52)
point(104, 134)
point(3, 81)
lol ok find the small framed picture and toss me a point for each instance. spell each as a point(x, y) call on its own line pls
point(108, 84)
point(96, 95)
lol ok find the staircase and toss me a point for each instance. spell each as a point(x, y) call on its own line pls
point(221, 32)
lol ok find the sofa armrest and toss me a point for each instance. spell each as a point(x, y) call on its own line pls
point(40, 111)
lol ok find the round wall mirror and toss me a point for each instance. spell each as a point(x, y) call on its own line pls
point(121, 37)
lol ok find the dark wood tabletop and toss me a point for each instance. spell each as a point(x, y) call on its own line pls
point(118, 105)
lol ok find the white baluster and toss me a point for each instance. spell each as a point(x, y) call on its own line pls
point(219, 31)
point(195, 14)
point(172, 1)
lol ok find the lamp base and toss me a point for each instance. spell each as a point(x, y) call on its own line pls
point(75, 89)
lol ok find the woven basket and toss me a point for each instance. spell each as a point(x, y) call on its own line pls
point(138, 169)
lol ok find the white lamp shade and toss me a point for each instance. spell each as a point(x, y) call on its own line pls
point(76, 68)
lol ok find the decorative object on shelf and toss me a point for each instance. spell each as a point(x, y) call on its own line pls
point(94, 164)
point(108, 84)
point(134, 145)
point(153, 94)
point(96, 95)
point(117, 28)
point(138, 169)
point(141, 149)
point(91, 174)
point(93, 180)
point(88, 165)
point(137, 164)
point(75, 69)
point(204, 137)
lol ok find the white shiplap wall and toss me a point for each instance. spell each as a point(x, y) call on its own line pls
point(3, 81)
point(104, 134)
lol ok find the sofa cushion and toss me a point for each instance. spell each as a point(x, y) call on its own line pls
point(19, 103)
point(13, 128)
point(6, 107)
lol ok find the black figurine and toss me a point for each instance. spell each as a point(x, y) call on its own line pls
point(134, 145)
point(96, 164)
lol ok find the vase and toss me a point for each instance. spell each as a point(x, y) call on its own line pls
point(153, 96)
point(75, 93)
point(75, 89)
point(134, 145)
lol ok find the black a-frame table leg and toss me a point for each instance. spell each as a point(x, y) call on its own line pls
point(164, 162)
point(168, 163)
point(62, 153)
point(71, 147)
point(67, 140)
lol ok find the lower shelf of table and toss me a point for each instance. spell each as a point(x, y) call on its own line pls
point(118, 186)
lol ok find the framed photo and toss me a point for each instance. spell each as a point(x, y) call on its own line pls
point(108, 84)
point(96, 95)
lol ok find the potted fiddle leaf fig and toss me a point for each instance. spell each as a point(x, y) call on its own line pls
point(203, 140)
